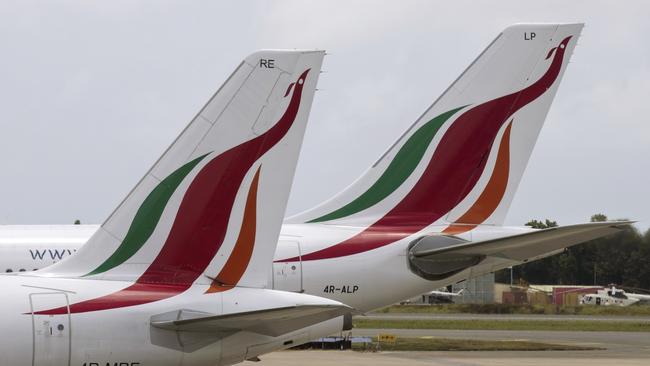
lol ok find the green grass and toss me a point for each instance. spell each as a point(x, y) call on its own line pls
point(444, 344)
point(636, 310)
point(461, 324)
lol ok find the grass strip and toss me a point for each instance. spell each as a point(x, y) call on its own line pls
point(636, 310)
point(514, 324)
point(446, 344)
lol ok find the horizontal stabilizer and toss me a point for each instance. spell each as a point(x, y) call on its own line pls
point(270, 322)
point(437, 257)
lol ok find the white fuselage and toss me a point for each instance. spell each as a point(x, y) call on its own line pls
point(364, 281)
point(82, 338)
point(371, 279)
point(31, 247)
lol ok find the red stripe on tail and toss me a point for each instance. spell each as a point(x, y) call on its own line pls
point(201, 222)
point(452, 172)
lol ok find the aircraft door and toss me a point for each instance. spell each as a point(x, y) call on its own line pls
point(287, 276)
point(51, 333)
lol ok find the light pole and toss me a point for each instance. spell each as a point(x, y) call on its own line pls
point(511, 277)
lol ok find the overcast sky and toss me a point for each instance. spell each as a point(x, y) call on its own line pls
point(92, 92)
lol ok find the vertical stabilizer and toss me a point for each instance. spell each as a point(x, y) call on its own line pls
point(458, 166)
point(196, 216)
point(462, 160)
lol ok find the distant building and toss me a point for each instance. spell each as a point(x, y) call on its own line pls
point(483, 290)
point(541, 294)
point(570, 295)
point(478, 290)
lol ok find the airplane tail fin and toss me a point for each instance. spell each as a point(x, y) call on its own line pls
point(460, 163)
point(210, 209)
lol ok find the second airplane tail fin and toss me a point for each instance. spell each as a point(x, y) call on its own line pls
point(460, 163)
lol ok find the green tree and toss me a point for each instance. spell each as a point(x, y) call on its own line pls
point(598, 218)
point(622, 259)
point(541, 224)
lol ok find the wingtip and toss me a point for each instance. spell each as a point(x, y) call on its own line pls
point(622, 224)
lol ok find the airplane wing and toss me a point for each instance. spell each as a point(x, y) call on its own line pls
point(190, 330)
point(442, 256)
point(445, 293)
point(270, 322)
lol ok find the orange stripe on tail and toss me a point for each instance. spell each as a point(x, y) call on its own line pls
point(491, 196)
point(241, 254)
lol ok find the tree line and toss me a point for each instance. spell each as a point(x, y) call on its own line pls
point(622, 259)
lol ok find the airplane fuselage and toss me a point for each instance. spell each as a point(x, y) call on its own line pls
point(364, 281)
point(371, 279)
point(80, 338)
point(31, 247)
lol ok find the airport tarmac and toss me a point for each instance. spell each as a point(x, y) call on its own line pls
point(502, 317)
point(352, 358)
point(622, 348)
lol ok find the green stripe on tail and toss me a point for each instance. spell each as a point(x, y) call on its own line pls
point(147, 217)
point(404, 163)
